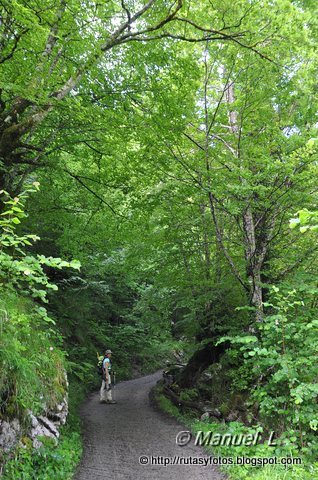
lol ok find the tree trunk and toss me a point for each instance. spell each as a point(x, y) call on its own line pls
point(200, 361)
point(253, 264)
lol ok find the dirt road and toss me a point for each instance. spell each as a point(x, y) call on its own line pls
point(115, 436)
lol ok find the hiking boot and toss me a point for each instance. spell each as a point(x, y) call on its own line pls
point(111, 401)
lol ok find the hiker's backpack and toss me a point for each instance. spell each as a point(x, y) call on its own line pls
point(100, 369)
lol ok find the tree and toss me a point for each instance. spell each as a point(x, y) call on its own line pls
point(197, 171)
point(246, 135)
point(52, 51)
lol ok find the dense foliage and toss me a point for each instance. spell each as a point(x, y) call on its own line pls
point(176, 148)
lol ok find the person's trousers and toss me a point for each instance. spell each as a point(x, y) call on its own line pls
point(105, 395)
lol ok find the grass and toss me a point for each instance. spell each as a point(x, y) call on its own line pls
point(50, 462)
point(32, 374)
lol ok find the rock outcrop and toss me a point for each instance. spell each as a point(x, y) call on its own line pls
point(10, 432)
point(45, 425)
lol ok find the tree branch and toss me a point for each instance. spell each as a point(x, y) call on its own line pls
point(80, 181)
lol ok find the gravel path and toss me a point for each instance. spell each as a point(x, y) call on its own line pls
point(115, 436)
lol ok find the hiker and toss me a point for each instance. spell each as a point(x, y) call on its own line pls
point(105, 390)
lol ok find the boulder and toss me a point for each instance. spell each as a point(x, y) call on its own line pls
point(49, 425)
point(59, 414)
point(205, 416)
point(213, 412)
point(10, 432)
point(41, 427)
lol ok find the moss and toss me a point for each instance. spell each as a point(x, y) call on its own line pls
point(224, 409)
point(189, 395)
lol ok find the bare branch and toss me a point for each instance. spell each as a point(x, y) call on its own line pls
point(127, 13)
point(220, 240)
point(80, 181)
point(17, 38)
point(193, 141)
point(158, 26)
point(300, 260)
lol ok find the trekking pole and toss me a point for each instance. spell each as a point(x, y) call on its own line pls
point(114, 375)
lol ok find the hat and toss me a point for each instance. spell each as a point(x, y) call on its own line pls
point(108, 351)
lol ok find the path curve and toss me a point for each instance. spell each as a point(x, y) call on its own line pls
point(115, 436)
